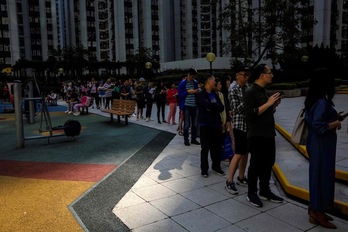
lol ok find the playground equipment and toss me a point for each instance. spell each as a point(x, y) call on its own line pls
point(71, 128)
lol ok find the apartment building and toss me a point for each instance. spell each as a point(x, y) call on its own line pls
point(114, 30)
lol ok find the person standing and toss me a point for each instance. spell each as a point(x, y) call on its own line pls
point(160, 98)
point(140, 98)
point(188, 88)
point(149, 92)
point(210, 107)
point(172, 98)
point(259, 110)
point(240, 158)
point(323, 121)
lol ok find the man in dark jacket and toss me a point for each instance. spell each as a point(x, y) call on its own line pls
point(209, 108)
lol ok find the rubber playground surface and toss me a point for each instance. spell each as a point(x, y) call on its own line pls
point(72, 184)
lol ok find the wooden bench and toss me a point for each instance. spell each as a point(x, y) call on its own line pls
point(121, 108)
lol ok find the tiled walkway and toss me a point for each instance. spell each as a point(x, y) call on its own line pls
point(172, 196)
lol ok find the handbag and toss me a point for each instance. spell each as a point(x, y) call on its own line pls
point(300, 130)
point(227, 151)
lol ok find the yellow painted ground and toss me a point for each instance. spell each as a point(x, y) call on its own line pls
point(38, 205)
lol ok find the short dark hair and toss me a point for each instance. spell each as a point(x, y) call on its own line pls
point(257, 71)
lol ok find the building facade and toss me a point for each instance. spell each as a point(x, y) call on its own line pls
point(114, 30)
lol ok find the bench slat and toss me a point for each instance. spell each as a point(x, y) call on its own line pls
point(121, 108)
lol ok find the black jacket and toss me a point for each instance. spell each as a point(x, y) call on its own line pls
point(209, 108)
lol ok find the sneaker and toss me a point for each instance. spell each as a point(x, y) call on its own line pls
point(70, 112)
point(77, 114)
point(147, 119)
point(242, 182)
point(67, 111)
point(137, 119)
point(219, 172)
point(187, 143)
point(254, 199)
point(204, 174)
point(271, 197)
point(196, 142)
point(231, 188)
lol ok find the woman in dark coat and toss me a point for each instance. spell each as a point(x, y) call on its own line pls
point(323, 121)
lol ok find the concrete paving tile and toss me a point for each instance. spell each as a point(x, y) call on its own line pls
point(174, 205)
point(163, 175)
point(232, 210)
point(129, 199)
point(257, 224)
point(220, 187)
point(143, 182)
point(267, 205)
point(160, 226)
point(153, 192)
point(182, 185)
point(231, 228)
point(292, 214)
point(139, 215)
point(170, 163)
point(212, 179)
point(204, 196)
point(201, 220)
point(188, 170)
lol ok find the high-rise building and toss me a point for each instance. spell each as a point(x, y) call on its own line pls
point(114, 30)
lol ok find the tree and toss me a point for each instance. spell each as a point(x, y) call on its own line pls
point(136, 63)
point(265, 31)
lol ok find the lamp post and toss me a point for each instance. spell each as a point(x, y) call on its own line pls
point(210, 58)
point(148, 66)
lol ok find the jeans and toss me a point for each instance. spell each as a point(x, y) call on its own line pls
point(190, 120)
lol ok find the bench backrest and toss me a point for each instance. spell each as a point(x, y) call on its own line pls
point(124, 105)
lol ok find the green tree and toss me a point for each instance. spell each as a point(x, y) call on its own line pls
point(265, 31)
point(136, 63)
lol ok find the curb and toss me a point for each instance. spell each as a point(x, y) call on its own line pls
point(298, 192)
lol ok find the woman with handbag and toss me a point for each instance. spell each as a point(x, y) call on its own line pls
point(323, 121)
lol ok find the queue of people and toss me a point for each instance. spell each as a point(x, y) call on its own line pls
point(245, 111)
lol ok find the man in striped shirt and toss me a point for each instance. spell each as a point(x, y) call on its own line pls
point(187, 90)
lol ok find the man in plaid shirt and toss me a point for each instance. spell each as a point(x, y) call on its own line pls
point(240, 158)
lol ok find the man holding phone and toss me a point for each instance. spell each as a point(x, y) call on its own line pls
point(259, 109)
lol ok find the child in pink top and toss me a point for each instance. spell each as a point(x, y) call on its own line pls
point(172, 94)
point(83, 101)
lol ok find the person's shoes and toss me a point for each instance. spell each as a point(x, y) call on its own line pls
point(174, 123)
point(141, 117)
point(187, 143)
point(77, 114)
point(159, 121)
point(254, 199)
point(242, 182)
point(319, 218)
point(164, 121)
point(219, 172)
point(67, 111)
point(196, 142)
point(231, 188)
point(137, 119)
point(70, 112)
point(98, 107)
point(271, 197)
point(204, 174)
point(147, 119)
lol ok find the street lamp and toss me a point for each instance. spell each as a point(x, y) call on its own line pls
point(210, 58)
point(148, 66)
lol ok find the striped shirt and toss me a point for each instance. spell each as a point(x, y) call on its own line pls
point(190, 99)
point(236, 96)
